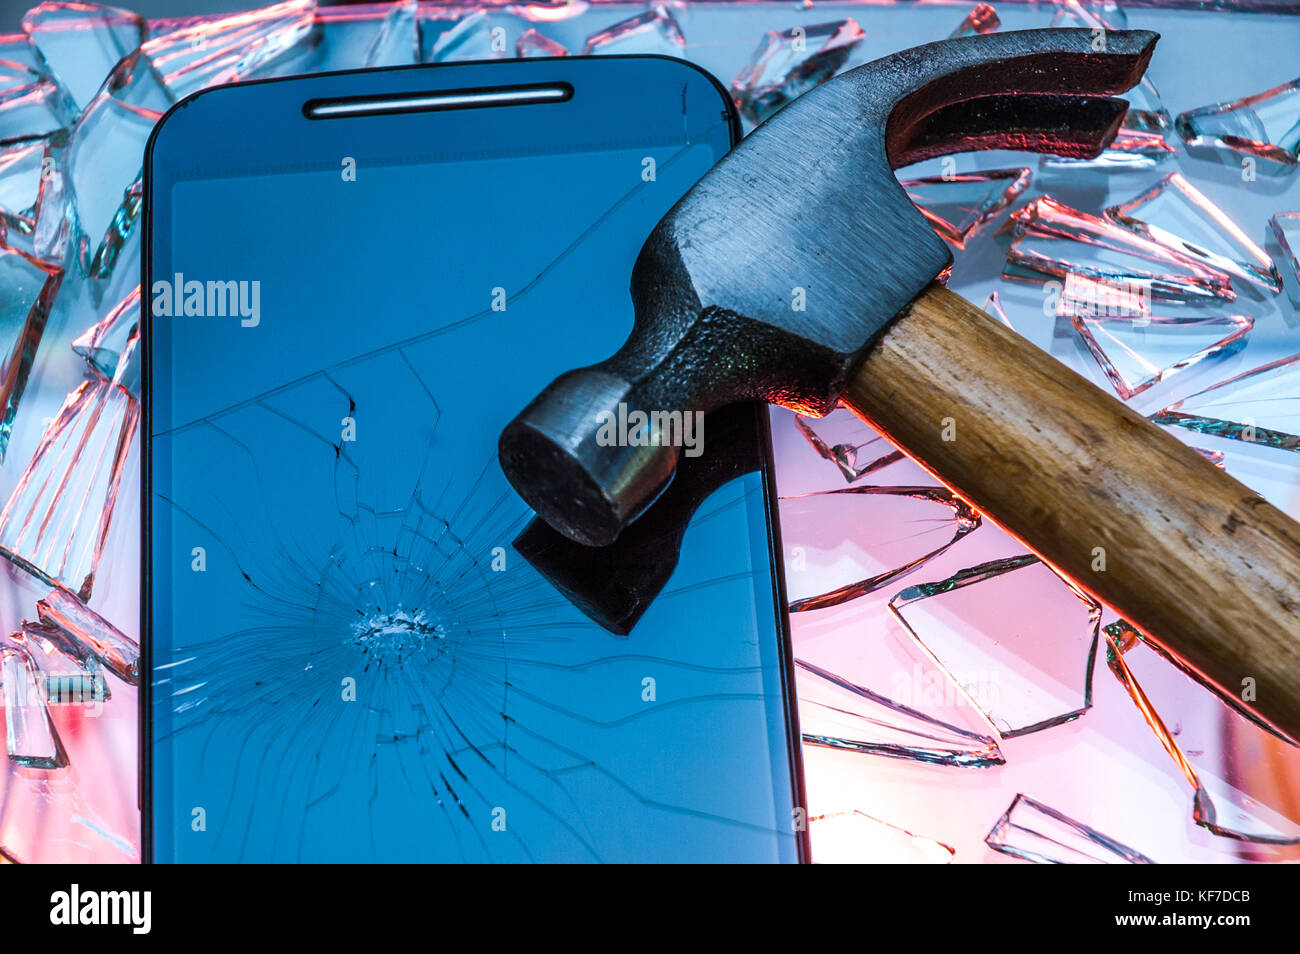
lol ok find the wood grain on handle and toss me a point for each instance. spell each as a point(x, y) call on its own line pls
point(1193, 558)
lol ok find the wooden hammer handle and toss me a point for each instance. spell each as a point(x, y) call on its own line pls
point(1192, 557)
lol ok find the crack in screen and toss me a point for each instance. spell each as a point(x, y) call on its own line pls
point(359, 665)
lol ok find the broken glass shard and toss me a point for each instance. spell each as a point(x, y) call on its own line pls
point(1032, 831)
point(229, 49)
point(837, 713)
point(120, 227)
point(993, 306)
point(842, 438)
point(854, 837)
point(1093, 15)
point(855, 540)
point(654, 31)
point(864, 686)
point(1264, 127)
point(1053, 240)
point(103, 343)
point(85, 810)
point(1179, 216)
point(982, 18)
point(127, 375)
point(788, 63)
point(957, 206)
point(14, 75)
point(60, 511)
point(473, 38)
point(53, 213)
point(88, 682)
point(1286, 229)
point(1246, 779)
point(1260, 406)
point(105, 154)
point(1022, 636)
point(27, 292)
point(80, 43)
point(31, 111)
point(31, 192)
point(30, 736)
point(19, 63)
point(117, 652)
point(20, 188)
point(1146, 111)
point(1135, 354)
point(397, 41)
point(533, 43)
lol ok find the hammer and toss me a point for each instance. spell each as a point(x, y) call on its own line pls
point(797, 271)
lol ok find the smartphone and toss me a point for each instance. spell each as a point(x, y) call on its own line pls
point(352, 282)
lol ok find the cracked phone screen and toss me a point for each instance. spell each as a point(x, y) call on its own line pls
point(350, 662)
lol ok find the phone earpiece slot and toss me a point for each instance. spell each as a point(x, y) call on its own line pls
point(437, 101)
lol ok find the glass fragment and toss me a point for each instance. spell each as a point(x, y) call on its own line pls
point(103, 343)
point(1245, 778)
point(397, 41)
point(993, 306)
point(117, 652)
point(473, 38)
point(104, 157)
point(654, 31)
point(20, 188)
point(958, 206)
point(865, 686)
point(80, 43)
point(30, 737)
point(1135, 354)
point(1053, 240)
point(1264, 128)
point(1032, 831)
point(982, 18)
point(230, 48)
point(852, 446)
point(1285, 227)
point(27, 293)
point(31, 111)
point(788, 63)
point(1260, 406)
point(533, 43)
point(58, 516)
point(855, 540)
point(1028, 668)
point(1179, 216)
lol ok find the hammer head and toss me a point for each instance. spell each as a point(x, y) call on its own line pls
point(775, 274)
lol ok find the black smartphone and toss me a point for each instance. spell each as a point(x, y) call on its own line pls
point(353, 281)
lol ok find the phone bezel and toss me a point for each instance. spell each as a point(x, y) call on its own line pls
point(375, 77)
